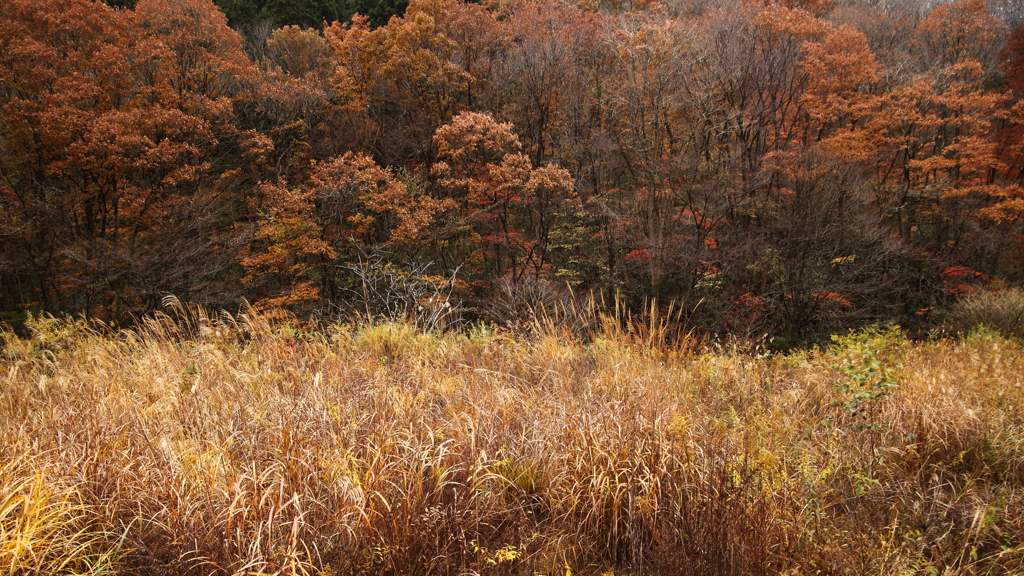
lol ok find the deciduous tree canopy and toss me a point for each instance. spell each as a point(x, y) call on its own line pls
point(783, 168)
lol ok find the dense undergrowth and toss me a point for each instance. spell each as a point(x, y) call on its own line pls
point(214, 445)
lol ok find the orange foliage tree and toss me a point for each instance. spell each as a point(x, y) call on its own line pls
point(108, 129)
point(771, 155)
point(507, 208)
point(308, 233)
point(405, 75)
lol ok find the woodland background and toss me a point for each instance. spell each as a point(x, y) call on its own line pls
point(789, 169)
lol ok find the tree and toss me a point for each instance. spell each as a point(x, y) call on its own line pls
point(960, 31)
point(109, 126)
point(405, 74)
point(928, 142)
point(481, 44)
point(63, 64)
point(506, 206)
point(308, 233)
point(841, 75)
point(281, 265)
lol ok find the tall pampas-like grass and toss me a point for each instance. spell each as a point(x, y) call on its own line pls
point(201, 443)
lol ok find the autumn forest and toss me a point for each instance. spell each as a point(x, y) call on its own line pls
point(511, 288)
point(773, 168)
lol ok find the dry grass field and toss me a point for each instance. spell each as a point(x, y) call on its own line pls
point(200, 444)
